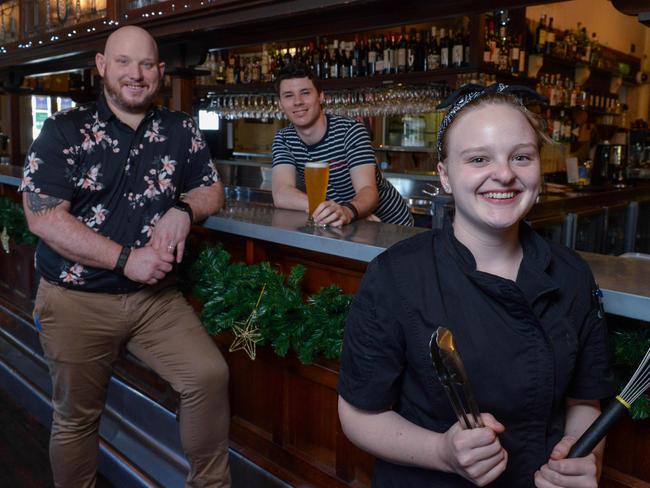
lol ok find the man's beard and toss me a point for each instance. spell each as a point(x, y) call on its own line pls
point(135, 107)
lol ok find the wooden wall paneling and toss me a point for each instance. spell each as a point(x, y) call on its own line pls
point(254, 388)
point(311, 421)
point(628, 448)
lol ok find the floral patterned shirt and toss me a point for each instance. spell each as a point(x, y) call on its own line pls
point(119, 181)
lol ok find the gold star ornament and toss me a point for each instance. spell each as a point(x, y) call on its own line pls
point(246, 334)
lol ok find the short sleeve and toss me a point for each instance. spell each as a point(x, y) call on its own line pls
point(200, 171)
point(281, 153)
point(373, 355)
point(593, 377)
point(50, 163)
point(358, 149)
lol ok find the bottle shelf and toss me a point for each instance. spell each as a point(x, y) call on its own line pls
point(442, 75)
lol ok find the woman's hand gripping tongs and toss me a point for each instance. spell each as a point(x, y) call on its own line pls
point(451, 373)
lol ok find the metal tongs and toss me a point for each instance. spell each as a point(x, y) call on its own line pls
point(451, 373)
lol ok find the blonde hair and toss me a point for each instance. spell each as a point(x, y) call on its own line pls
point(537, 123)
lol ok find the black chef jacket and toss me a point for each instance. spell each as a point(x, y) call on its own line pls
point(526, 346)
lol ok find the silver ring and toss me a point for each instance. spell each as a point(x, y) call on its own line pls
point(171, 247)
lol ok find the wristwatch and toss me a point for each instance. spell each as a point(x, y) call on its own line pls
point(122, 259)
point(353, 209)
point(185, 207)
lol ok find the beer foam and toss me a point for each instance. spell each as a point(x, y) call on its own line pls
point(316, 165)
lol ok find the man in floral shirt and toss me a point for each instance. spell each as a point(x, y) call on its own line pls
point(111, 189)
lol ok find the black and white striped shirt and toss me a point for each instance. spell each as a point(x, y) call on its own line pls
point(345, 146)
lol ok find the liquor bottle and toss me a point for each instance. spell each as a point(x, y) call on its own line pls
point(412, 46)
point(392, 52)
point(287, 58)
point(335, 60)
point(466, 46)
point(325, 60)
point(255, 70)
point(563, 129)
point(515, 52)
point(550, 37)
point(504, 49)
point(314, 59)
point(550, 91)
point(574, 95)
point(457, 49)
point(522, 56)
point(586, 50)
point(493, 42)
point(433, 53)
point(562, 45)
point(230, 69)
point(556, 129)
point(402, 46)
point(420, 53)
point(264, 64)
point(210, 66)
point(237, 70)
point(540, 35)
point(357, 47)
point(444, 49)
point(571, 45)
point(379, 64)
point(346, 71)
point(487, 51)
point(372, 57)
point(595, 50)
point(363, 57)
point(389, 55)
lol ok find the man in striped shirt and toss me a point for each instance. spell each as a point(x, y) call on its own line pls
point(356, 188)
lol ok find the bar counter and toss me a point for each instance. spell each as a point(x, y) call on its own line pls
point(625, 282)
point(249, 213)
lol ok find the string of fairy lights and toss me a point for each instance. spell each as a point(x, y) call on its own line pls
point(138, 9)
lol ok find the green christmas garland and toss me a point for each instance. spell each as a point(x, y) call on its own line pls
point(13, 224)
point(230, 293)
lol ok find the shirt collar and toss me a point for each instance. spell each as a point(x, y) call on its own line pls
point(105, 113)
point(533, 279)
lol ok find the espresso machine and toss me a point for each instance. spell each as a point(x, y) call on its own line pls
point(610, 164)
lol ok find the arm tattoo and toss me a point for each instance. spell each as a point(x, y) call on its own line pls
point(41, 204)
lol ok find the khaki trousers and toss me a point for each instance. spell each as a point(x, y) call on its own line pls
point(82, 334)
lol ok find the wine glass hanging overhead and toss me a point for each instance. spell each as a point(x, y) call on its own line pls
point(359, 102)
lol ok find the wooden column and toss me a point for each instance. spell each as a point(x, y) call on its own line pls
point(182, 92)
point(14, 129)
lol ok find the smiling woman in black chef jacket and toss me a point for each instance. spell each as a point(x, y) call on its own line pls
point(524, 313)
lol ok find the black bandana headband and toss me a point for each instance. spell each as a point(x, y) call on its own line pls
point(470, 92)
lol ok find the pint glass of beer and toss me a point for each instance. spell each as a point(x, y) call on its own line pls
point(316, 179)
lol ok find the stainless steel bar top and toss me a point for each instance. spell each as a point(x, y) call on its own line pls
point(625, 282)
point(11, 175)
point(360, 241)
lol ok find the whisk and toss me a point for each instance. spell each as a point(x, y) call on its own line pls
point(637, 385)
